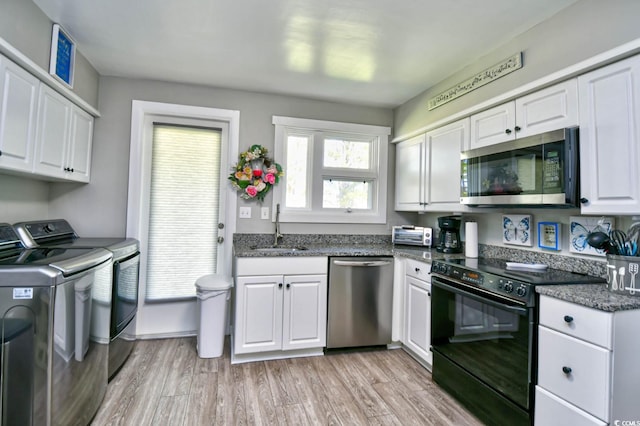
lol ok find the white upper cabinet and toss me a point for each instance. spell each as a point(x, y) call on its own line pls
point(411, 162)
point(63, 138)
point(18, 111)
point(428, 169)
point(493, 126)
point(610, 138)
point(552, 108)
point(445, 144)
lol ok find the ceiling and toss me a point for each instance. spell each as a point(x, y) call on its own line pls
point(368, 52)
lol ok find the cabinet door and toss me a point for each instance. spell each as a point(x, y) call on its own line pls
point(258, 316)
point(576, 371)
point(493, 126)
point(18, 96)
point(80, 146)
point(418, 317)
point(552, 108)
point(52, 133)
point(610, 139)
point(304, 322)
point(554, 411)
point(411, 157)
point(443, 176)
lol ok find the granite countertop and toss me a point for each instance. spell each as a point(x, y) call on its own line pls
point(357, 249)
point(592, 296)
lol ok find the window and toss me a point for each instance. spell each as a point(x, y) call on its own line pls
point(334, 172)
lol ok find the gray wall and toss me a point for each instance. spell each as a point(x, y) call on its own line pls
point(579, 32)
point(101, 205)
point(583, 30)
point(27, 28)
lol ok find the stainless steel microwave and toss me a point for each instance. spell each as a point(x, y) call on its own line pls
point(536, 171)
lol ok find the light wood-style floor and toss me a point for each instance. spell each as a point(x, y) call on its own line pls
point(165, 383)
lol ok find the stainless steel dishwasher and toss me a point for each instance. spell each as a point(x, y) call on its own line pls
point(360, 301)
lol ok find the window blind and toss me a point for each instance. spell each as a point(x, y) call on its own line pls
point(183, 210)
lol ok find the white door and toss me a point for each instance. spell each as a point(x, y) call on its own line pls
point(443, 176)
point(493, 126)
point(52, 133)
point(418, 317)
point(258, 316)
point(411, 158)
point(81, 136)
point(171, 260)
point(610, 139)
point(18, 96)
point(305, 312)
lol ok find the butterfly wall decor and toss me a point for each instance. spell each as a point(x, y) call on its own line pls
point(581, 226)
point(516, 229)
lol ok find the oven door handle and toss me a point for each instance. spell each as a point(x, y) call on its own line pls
point(515, 309)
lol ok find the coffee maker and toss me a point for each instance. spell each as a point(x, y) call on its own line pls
point(449, 240)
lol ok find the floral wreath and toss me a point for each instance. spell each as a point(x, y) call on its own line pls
point(255, 174)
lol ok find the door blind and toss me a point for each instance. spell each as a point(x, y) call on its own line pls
point(183, 210)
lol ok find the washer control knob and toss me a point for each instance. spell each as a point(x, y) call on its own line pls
point(49, 227)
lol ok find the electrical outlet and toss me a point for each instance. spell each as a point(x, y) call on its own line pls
point(264, 213)
point(245, 213)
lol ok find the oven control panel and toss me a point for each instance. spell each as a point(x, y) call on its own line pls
point(513, 289)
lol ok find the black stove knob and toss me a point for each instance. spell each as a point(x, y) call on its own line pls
point(521, 291)
point(508, 287)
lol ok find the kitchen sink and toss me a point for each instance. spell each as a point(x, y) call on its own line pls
point(278, 249)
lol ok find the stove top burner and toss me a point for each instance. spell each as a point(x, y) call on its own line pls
point(493, 276)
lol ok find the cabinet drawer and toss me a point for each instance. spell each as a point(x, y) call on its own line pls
point(301, 265)
point(419, 270)
point(554, 411)
point(578, 321)
point(574, 370)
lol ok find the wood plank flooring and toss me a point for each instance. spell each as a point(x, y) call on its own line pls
point(165, 383)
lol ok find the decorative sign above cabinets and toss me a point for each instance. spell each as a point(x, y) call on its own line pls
point(63, 56)
point(501, 69)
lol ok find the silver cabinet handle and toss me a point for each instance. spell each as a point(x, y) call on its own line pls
point(361, 263)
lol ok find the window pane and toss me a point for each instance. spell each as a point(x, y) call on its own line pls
point(184, 179)
point(296, 171)
point(346, 154)
point(344, 194)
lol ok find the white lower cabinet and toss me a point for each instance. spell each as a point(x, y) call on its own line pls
point(587, 365)
point(277, 316)
point(417, 308)
point(551, 410)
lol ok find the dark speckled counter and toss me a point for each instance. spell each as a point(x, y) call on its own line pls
point(592, 296)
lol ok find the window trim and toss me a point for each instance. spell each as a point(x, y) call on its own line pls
point(380, 144)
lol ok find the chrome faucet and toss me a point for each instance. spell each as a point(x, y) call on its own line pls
point(278, 235)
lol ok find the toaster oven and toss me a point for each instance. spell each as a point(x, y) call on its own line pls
point(412, 235)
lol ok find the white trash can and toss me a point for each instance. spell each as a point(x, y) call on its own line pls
point(213, 294)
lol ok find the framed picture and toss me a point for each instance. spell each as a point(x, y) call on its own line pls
point(516, 229)
point(63, 56)
point(549, 235)
point(581, 226)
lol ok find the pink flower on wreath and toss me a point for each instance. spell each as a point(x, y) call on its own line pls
point(270, 178)
point(251, 191)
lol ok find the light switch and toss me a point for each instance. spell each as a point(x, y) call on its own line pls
point(245, 213)
point(264, 213)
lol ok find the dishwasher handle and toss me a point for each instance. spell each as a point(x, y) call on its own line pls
point(361, 262)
